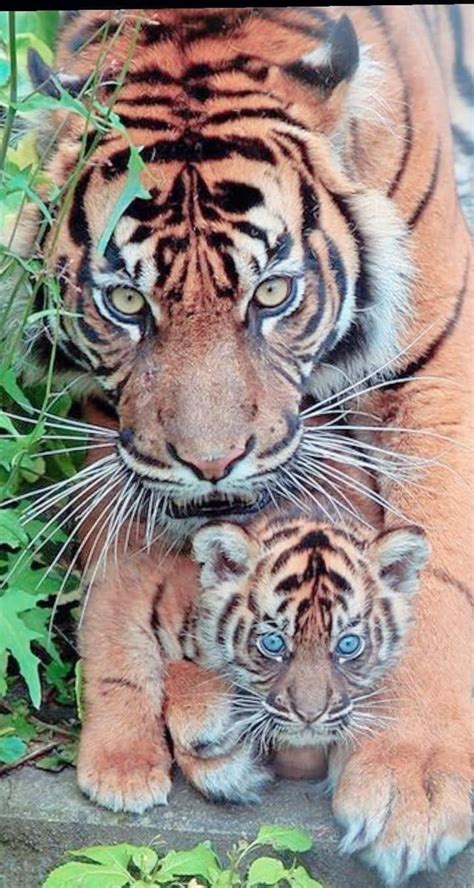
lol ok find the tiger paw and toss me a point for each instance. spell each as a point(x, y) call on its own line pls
point(124, 778)
point(405, 808)
point(237, 777)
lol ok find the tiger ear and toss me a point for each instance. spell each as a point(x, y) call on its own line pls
point(224, 551)
point(47, 82)
point(335, 59)
point(401, 554)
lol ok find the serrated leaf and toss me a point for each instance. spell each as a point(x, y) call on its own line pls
point(266, 871)
point(284, 838)
point(132, 188)
point(16, 638)
point(11, 532)
point(198, 861)
point(85, 875)
point(11, 749)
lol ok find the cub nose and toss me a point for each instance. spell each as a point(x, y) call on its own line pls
point(210, 469)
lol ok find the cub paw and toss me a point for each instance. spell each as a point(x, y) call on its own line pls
point(236, 777)
point(124, 779)
point(406, 809)
point(198, 711)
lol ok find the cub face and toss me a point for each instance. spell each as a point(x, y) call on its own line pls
point(305, 618)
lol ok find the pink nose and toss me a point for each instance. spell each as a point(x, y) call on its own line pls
point(212, 469)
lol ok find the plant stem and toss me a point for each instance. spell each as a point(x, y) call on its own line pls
point(13, 88)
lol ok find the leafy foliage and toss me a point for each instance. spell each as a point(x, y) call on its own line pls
point(124, 865)
point(37, 595)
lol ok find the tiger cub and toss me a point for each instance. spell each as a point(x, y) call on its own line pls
point(296, 622)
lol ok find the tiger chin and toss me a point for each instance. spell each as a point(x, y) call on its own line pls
point(303, 619)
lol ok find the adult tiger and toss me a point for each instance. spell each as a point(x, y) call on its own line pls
point(302, 231)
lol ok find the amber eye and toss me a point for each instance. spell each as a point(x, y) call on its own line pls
point(126, 301)
point(273, 292)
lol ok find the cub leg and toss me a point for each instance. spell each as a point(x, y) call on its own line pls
point(206, 736)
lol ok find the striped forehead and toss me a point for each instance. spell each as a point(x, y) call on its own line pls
point(313, 576)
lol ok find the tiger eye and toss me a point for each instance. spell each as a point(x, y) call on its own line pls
point(273, 292)
point(127, 301)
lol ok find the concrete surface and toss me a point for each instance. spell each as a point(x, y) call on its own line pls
point(44, 814)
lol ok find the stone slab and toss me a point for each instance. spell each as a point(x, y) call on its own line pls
point(44, 814)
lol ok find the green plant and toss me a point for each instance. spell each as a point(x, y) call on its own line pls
point(39, 444)
point(124, 866)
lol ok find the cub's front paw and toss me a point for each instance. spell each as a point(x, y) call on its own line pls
point(198, 711)
point(124, 778)
point(236, 777)
point(406, 808)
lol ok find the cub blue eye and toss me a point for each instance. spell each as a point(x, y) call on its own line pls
point(349, 645)
point(272, 644)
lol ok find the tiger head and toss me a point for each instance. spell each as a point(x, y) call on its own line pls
point(305, 619)
point(248, 270)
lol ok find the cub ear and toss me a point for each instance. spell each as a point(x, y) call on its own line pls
point(225, 551)
point(47, 82)
point(401, 554)
point(334, 60)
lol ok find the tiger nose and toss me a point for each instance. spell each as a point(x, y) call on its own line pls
point(211, 469)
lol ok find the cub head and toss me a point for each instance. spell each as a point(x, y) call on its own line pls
point(305, 621)
point(238, 277)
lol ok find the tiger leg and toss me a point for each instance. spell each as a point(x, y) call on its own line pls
point(124, 763)
point(402, 797)
point(202, 724)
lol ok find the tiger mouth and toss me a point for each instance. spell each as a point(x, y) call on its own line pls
point(215, 506)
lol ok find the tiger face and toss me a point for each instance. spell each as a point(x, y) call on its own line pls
point(241, 282)
point(305, 620)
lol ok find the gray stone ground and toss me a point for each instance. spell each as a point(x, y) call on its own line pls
point(43, 814)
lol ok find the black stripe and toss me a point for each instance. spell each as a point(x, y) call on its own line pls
point(292, 426)
point(149, 123)
point(340, 583)
point(423, 203)
point(156, 32)
point(193, 148)
point(141, 233)
point(221, 117)
point(379, 16)
point(78, 227)
point(298, 143)
point(289, 584)
point(254, 232)
point(154, 616)
point(151, 75)
point(432, 349)
point(392, 627)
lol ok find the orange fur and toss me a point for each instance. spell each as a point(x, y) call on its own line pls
point(382, 170)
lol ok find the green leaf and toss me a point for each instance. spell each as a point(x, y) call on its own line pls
point(145, 859)
point(111, 856)
point(300, 878)
point(133, 188)
point(16, 638)
point(18, 724)
point(266, 871)
point(284, 838)
point(11, 749)
point(85, 875)
point(6, 423)
point(198, 861)
point(11, 532)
